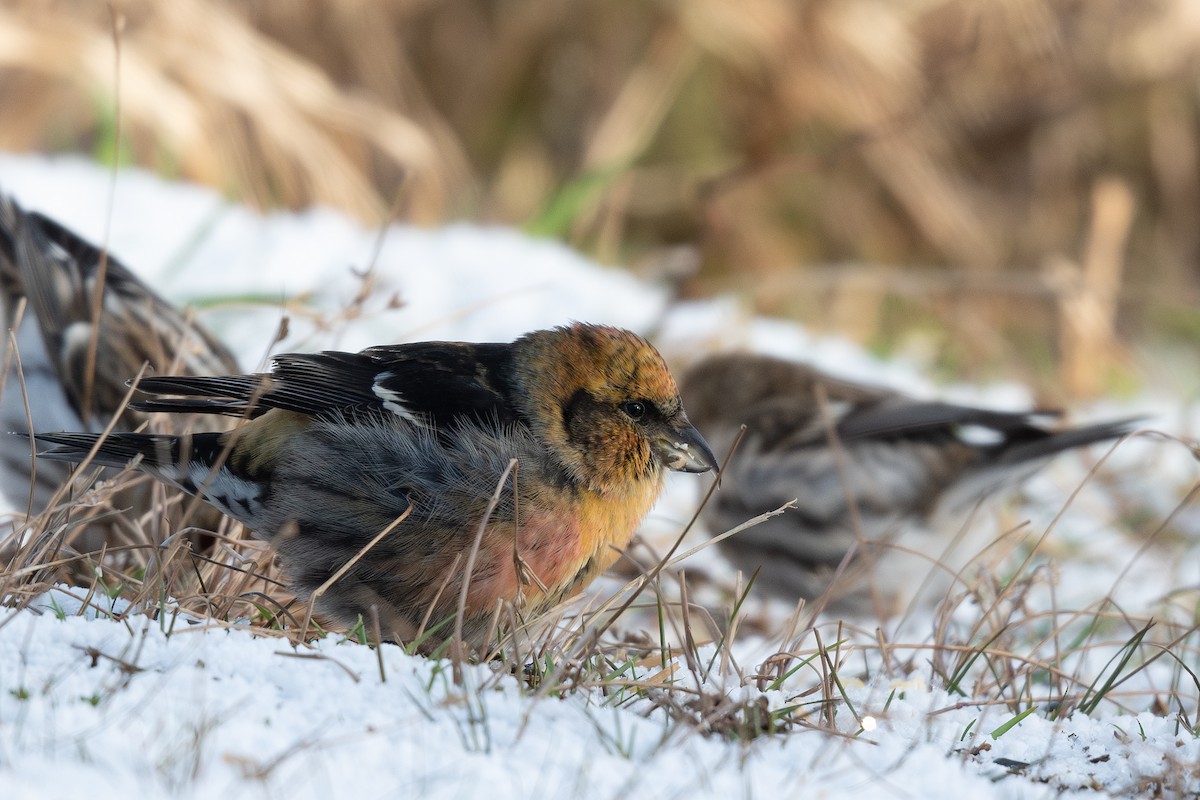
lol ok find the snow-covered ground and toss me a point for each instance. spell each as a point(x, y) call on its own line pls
point(141, 708)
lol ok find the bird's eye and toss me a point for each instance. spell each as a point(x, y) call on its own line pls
point(634, 409)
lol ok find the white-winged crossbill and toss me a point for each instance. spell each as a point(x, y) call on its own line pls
point(864, 465)
point(339, 446)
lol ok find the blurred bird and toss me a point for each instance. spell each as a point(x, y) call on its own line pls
point(48, 279)
point(340, 446)
point(857, 460)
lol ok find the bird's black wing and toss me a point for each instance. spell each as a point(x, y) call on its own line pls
point(1011, 437)
point(445, 381)
point(900, 417)
point(425, 382)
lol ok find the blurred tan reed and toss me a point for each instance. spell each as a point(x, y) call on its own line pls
point(779, 141)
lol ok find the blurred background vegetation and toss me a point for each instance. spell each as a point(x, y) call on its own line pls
point(1008, 183)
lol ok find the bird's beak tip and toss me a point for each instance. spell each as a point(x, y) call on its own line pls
point(686, 451)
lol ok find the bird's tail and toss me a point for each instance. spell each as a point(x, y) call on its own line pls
point(1022, 453)
point(156, 451)
point(1033, 448)
point(195, 463)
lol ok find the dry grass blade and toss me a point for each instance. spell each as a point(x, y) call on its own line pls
point(93, 346)
point(456, 649)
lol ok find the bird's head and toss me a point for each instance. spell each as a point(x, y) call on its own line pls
point(607, 406)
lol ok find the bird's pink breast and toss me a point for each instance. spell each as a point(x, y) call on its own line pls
point(565, 545)
point(549, 547)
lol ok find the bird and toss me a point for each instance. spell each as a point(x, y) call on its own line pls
point(874, 475)
point(337, 447)
point(48, 281)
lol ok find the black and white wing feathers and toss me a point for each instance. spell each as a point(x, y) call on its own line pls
point(427, 383)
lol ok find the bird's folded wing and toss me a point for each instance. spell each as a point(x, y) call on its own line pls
point(426, 383)
point(899, 416)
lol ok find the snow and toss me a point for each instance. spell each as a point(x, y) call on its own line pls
point(91, 701)
point(129, 710)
